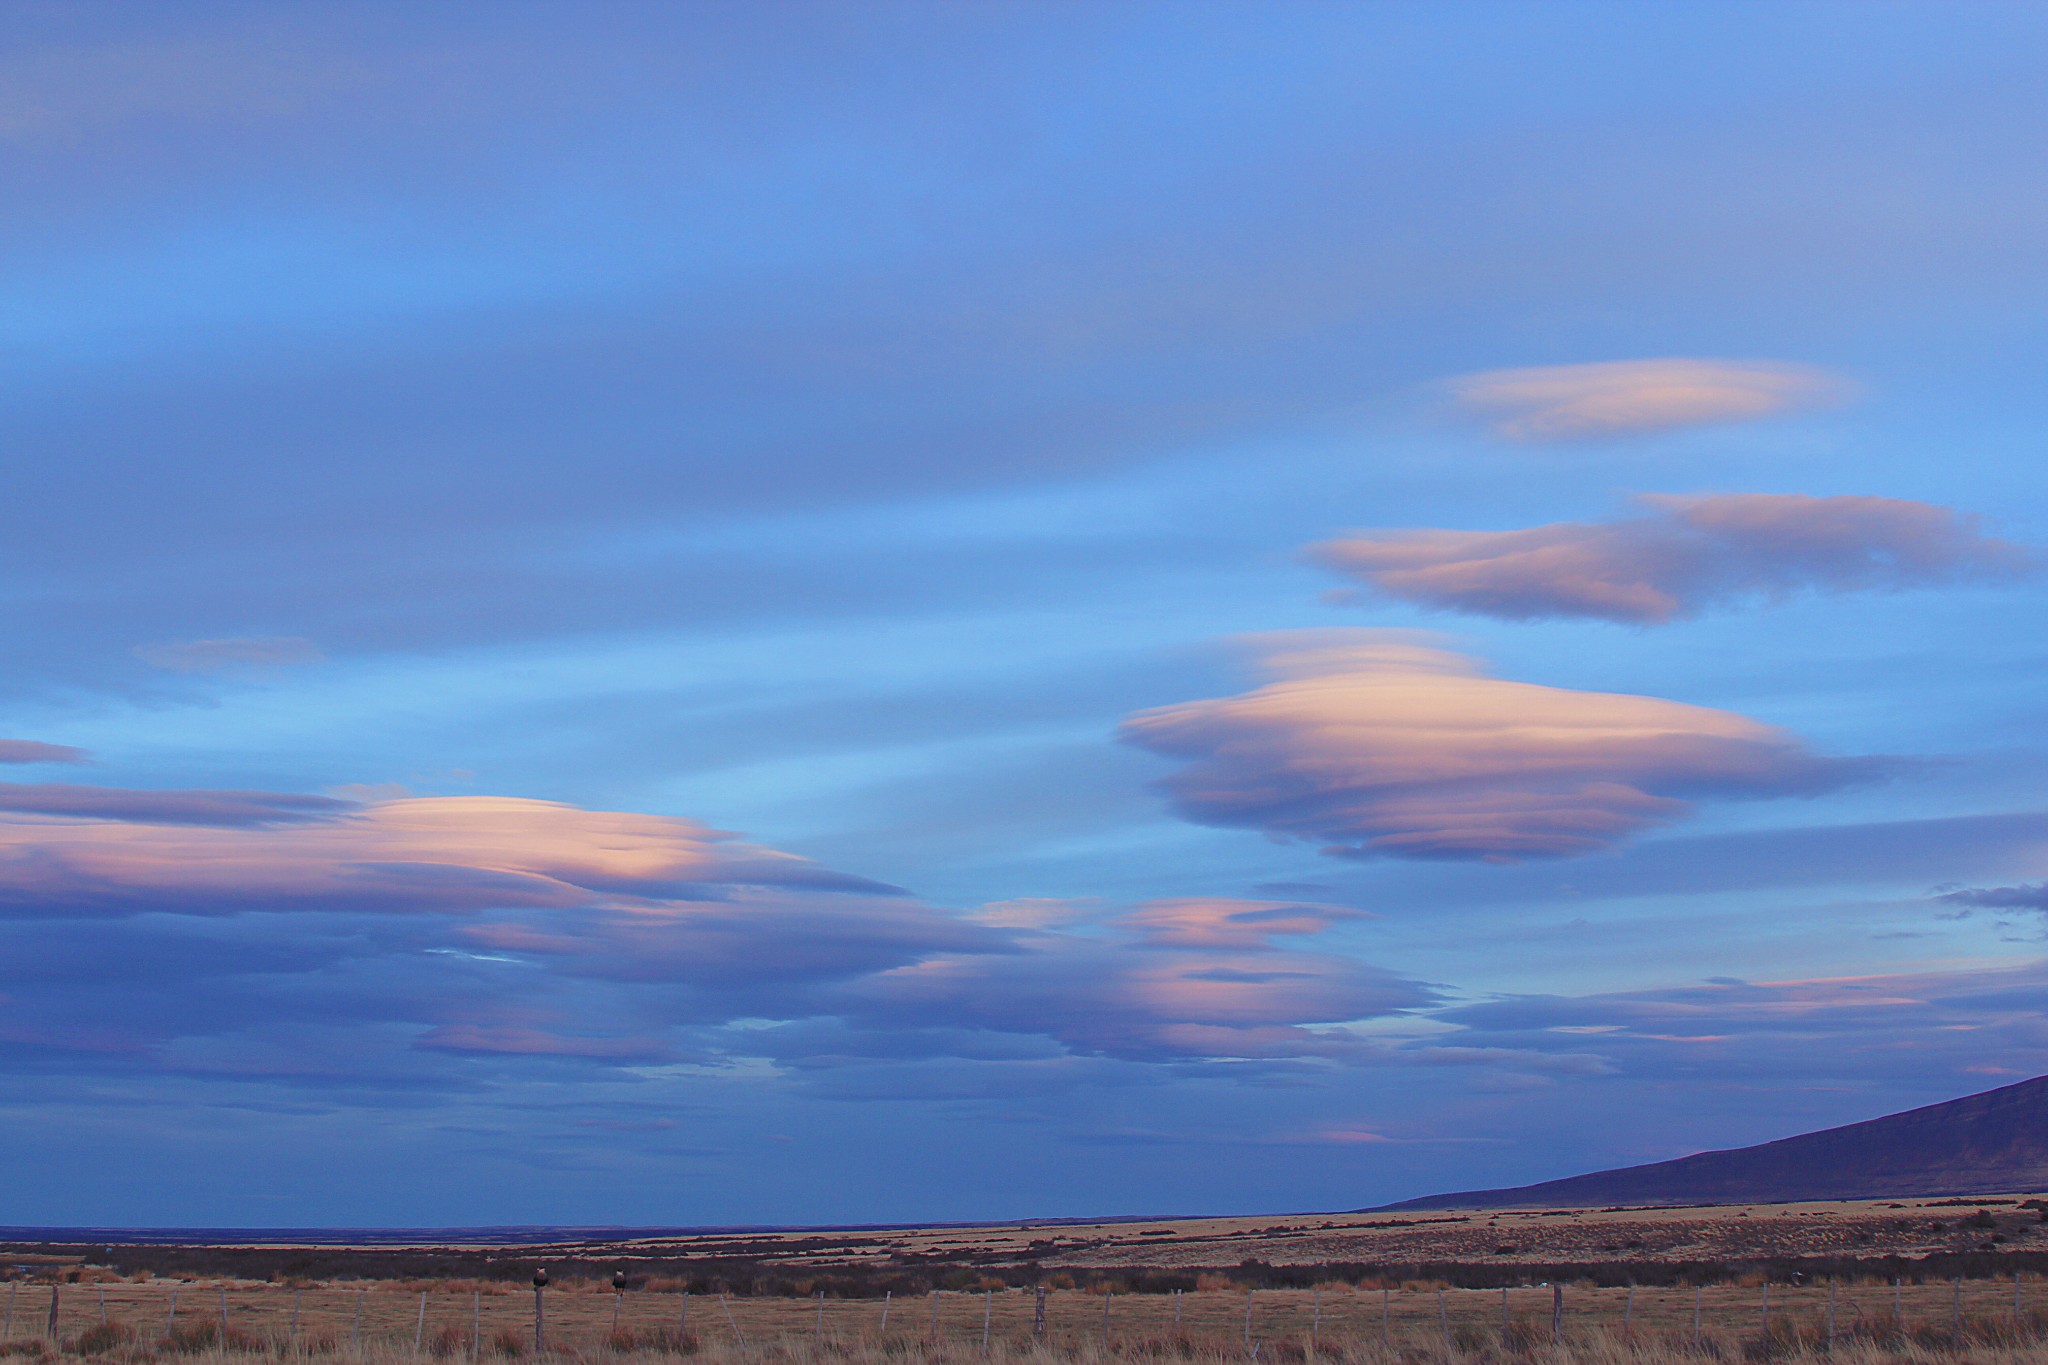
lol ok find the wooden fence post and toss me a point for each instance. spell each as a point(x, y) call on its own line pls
point(1628, 1316)
point(988, 1307)
point(1443, 1321)
point(1556, 1313)
point(1697, 1292)
point(540, 1312)
point(53, 1311)
point(1038, 1312)
point(888, 1295)
point(1385, 1312)
point(1955, 1328)
point(170, 1323)
point(1248, 1317)
point(1106, 1297)
point(355, 1330)
point(1315, 1323)
point(1766, 1310)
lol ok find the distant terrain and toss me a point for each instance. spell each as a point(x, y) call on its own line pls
point(1981, 1144)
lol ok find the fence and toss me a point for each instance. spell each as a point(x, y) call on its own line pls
point(465, 1319)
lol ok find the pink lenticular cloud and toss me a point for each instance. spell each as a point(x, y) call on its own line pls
point(141, 851)
point(1374, 743)
point(1688, 554)
point(1222, 922)
point(1636, 397)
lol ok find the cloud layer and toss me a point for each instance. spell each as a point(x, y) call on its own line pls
point(1633, 397)
point(1688, 555)
point(265, 931)
point(1372, 743)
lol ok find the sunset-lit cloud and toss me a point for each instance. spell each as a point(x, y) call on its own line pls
point(1686, 555)
point(1634, 397)
point(137, 852)
point(1376, 743)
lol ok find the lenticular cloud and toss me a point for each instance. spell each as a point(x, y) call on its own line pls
point(1634, 397)
point(1375, 744)
point(1687, 555)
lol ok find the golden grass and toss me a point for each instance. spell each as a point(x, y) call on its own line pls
point(223, 1323)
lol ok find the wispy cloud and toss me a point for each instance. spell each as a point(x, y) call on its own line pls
point(33, 751)
point(1687, 555)
point(226, 655)
point(1375, 743)
point(1635, 397)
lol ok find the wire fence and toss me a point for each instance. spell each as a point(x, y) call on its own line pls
point(463, 1319)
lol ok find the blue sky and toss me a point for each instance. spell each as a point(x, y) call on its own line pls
point(781, 613)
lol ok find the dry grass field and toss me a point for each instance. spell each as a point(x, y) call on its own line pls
point(1711, 1283)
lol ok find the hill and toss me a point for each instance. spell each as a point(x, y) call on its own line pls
point(1994, 1142)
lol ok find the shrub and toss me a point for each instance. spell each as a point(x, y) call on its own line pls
point(450, 1340)
point(103, 1337)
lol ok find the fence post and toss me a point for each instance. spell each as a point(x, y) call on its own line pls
point(683, 1317)
point(1443, 1320)
point(935, 1316)
point(103, 1301)
point(1503, 1317)
point(419, 1328)
point(8, 1329)
point(170, 1323)
point(1385, 1311)
point(223, 1317)
point(1106, 1297)
point(818, 1326)
point(888, 1296)
point(1176, 1308)
point(1038, 1313)
point(988, 1306)
point(1955, 1329)
point(1831, 1315)
point(1556, 1313)
point(1315, 1322)
point(540, 1311)
point(355, 1329)
point(1766, 1310)
point(1898, 1307)
point(476, 1323)
point(1248, 1317)
point(1628, 1316)
point(1697, 1292)
point(53, 1310)
point(292, 1334)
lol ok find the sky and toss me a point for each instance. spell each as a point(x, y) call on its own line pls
point(800, 613)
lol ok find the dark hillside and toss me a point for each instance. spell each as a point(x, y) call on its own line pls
point(1982, 1144)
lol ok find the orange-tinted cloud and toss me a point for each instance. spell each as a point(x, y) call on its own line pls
point(1687, 555)
point(1376, 743)
point(1632, 397)
point(149, 851)
point(1195, 977)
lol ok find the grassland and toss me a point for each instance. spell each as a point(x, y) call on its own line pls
point(1891, 1280)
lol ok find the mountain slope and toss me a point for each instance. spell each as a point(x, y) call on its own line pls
point(1995, 1142)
